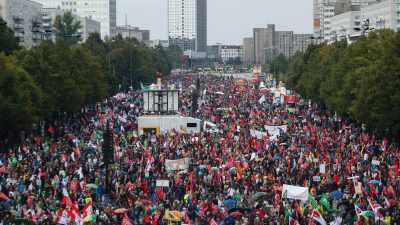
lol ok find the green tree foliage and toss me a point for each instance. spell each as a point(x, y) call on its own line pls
point(55, 77)
point(280, 65)
point(360, 80)
point(69, 77)
point(120, 55)
point(66, 28)
point(19, 97)
point(8, 41)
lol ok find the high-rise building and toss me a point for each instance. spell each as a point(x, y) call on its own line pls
point(24, 17)
point(187, 24)
point(248, 51)
point(104, 11)
point(283, 43)
point(264, 43)
point(267, 44)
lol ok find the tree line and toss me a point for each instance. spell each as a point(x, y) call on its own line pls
point(359, 80)
point(62, 76)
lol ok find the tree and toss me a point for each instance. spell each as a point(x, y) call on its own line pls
point(19, 97)
point(279, 65)
point(8, 41)
point(65, 28)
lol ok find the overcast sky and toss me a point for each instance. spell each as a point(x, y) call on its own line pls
point(229, 21)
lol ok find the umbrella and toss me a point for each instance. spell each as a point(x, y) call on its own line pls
point(277, 157)
point(336, 194)
point(145, 201)
point(229, 202)
point(91, 185)
point(237, 214)
point(120, 210)
point(229, 219)
point(259, 194)
point(176, 214)
point(374, 182)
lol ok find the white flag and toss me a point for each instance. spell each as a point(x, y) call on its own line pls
point(262, 99)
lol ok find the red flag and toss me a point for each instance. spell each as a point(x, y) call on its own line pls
point(3, 197)
point(293, 221)
point(66, 200)
point(239, 172)
point(375, 207)
point(87, 209)
point(126, 220)
point(29, 200)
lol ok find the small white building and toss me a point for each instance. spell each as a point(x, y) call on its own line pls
point(230, 52)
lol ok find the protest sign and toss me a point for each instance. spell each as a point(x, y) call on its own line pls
point(162, 183)
point(376, 162)
point(322, 168)
point(178, 164)
point(295, 192)
point(316, 178)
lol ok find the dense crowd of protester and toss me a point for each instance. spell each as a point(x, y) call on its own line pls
point(234, 176)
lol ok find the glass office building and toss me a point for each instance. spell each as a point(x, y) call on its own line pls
point(187, 24)
point(104, 11)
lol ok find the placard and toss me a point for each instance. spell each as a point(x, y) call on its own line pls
point(322, 168)
point(376, 162)
point(162, 183)
point(179, 164)
point(357, 189)
point(316, 178)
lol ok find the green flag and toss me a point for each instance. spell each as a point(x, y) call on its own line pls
point(286, 212)
point(312, 200)
point(325, 202)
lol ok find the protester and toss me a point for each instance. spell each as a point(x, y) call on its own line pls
point(235, 173)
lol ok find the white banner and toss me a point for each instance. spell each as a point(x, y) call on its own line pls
point(179, 164)
point(258, 134)
point(295, 192)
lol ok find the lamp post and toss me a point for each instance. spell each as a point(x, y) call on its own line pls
point(131, 70)
point(109, 56)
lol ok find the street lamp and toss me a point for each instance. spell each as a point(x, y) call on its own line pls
point(130, 55)
point(109, 56)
